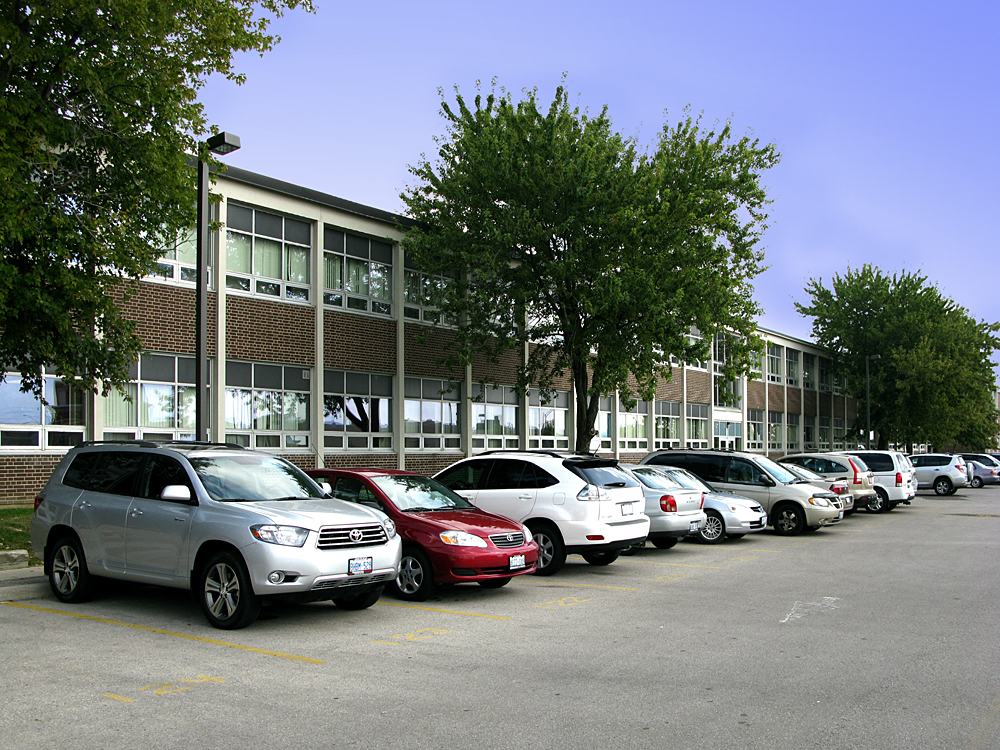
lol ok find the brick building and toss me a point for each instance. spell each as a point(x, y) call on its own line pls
point(328, 358)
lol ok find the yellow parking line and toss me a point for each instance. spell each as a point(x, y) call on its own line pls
point(676, 565)
point(160, 631)
point(446, 611)
point(586, 585)
point(121, 698)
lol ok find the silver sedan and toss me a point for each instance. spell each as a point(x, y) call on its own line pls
point(727, 515)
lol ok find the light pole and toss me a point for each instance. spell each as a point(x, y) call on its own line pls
point(220, 143)
point(868, 397)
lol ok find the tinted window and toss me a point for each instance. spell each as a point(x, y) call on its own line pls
point(603, 476)
point(657, 480)
point(507, 474)
point(536, 477)
point(878, 461)
point(742, 471)
point(465, 476)
point(162, 471)
point(708, 467)
point(938, 460)
point(680, 460)
point(113, 472)
point(917, 460)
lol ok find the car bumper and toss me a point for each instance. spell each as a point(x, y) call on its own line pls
point(823, 516)
point(675, 524)
point(319, 571)
point(598, 537)
point(456, 564)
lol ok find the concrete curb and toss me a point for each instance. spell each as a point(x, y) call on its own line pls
point(13, 559)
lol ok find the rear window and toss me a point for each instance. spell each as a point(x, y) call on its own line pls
point(656, 480)
point(603, 476)
point(878, 461)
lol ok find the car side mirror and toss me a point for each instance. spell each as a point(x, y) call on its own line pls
point(767, 481)
point(177, 493)
point(326, 487)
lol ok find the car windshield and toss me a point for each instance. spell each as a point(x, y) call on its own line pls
point(253, 477)
point(802, 472)
point(690, 481)
point(776, 470)
point(656, 479)
point(417, 493)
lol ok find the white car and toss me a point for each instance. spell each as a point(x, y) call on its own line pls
point(895, 479)
point(571, 503)
point(674, 509)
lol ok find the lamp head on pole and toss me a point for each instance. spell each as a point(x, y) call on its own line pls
point(223, 143)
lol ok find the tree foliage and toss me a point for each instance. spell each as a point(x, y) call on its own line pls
point(935, 379)
point(561, 239)
point(98, 118)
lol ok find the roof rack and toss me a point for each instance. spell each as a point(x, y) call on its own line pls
point(162, 443)
point(539, 452)
point(139, 443)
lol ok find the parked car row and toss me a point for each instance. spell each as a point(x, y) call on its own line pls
point(240, 528)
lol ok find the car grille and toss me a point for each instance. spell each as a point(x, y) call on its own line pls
point(341, 537)
point(340, 583)
point(758, 524)
point(514, 539)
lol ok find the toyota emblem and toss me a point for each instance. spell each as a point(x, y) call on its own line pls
point(510, 537)
point(356, 535)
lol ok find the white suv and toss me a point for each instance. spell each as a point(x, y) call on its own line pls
point(895, 479)
point(571, 503)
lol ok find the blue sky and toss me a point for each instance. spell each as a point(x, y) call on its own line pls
point(884, 113)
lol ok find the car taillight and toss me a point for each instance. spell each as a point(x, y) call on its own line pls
point(702, 506)
point(857, 476)
point(838, 489)
point(668, 504)
point(899, 479)
point(38, 499)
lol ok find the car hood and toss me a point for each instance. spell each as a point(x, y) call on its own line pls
point(729, 498)
point(472, 520)
point(312, 513)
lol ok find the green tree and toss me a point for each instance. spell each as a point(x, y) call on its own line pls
point(98, 117)
point(935, 379)
point(560, 239)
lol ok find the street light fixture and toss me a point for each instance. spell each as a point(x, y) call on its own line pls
point(220, 143)
point(868, 396)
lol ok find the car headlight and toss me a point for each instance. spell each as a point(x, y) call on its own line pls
point(286, 536)
point(390, 528)
point(820, 502)
point(462, 539)
point(528, 536)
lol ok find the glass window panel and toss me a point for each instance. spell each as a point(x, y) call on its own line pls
point(239, 217)
point(238, 252)
point(119, 412)
point(156, 408)
point(333, 413)
point(187, 246)
point(430, 413)
point(186, 396)
point(238, 283)
point(271, 289)
point(65, 404)
point(411, 417)
point(298, 264)
point(333, 271)
point(380, 281)
point(380, 412)
point(357, 276)
point(358, 419)
point(267, 258)
point(239, 409)
point(267, 410)
point(296, 411)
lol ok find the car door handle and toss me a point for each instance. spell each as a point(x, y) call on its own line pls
point(136, 513)
point(524, 497)
point(84, 504)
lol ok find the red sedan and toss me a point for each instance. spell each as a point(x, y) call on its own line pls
point(445, 538)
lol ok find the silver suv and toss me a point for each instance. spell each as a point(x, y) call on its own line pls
point(572, 503)
point(944, 472)
point(237, 527)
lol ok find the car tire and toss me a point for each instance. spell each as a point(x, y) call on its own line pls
point(551, 550)
point(977, 482)
point(361, 601)
point(789, 520)
point(69, 578)
point(495, 583)
point(943, 486)
point(227, 597)
point(665, 542)
point(879, 503)
point(714, 530)
point(415, 582)
point(601, 558)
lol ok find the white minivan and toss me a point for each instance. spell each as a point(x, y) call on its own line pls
point(895, 479)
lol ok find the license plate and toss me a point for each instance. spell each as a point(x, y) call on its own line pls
point(517, 561)
point(694, 526)
point(627, 509)
point(841, 514)
point(357, 566)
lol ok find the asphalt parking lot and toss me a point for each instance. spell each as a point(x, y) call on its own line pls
point(879, 633)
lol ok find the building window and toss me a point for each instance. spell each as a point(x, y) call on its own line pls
point(825, 374)
point(792, 367)
point(728, 393)
point(26, 423)
point(792, 431)
point(417, 293)
point(667, 427)
point(808, 433)
point(697, 425)
point(755, 429)
point(838, 434)
point(159, 405)
point(267, 406)
point(809, 371)
point(824, 433)
point(267, 255)
point(697, 364)
point(357, 410)
point(633, 426)
point(547, 421)
point(494, 418)
point(774, 356)
point(357, 272)
point(431, 414)
point(838, 383)
point(727, 435)
point(774, 424)
point(756, 366)
point(179, 262)
point(606, 423)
